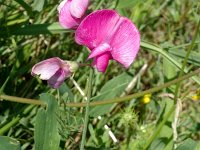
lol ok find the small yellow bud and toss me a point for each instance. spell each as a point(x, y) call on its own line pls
point(196, 97)
point(146, 99)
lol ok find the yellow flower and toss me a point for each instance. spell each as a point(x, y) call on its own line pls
point(146, 99)
point(197, 96)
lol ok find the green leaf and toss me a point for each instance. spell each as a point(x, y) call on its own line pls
point(197, 146)
point(158, 144)
point(171, 59)
point(46, 127)
point(166, 131)
point(7, 143)
point(35, 29)
point(166, 104)
point(66, 91)
point(111, 89)
point(38, 5)
point(193, 58)
point(188, 144)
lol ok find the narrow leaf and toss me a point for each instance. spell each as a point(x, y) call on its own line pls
point(159, 50)
point(35, 29)
point(158, 144)
point(194, 57)
point(46, 127)
point(25, 6)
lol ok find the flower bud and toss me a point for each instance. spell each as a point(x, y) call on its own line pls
point(71, 12)
point(54, 70)
point(146, 99)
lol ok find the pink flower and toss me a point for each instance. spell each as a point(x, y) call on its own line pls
point(54, 70)
point(71, 12)
point(109, 36)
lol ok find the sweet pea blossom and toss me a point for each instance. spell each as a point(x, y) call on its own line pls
point(71, 12)
point(108, 36)
point(54, 70)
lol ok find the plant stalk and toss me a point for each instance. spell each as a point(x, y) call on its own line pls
point(185, 62)
point(83, 140)
point(104, 102)
point(176, 91)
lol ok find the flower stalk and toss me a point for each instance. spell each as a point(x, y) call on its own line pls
point(87, 110)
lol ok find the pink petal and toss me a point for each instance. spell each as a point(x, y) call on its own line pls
point(99, 50)
point(60, 6)
point(78, 8)
point(58, 78)
point(125, 43)
point(47, 68)
point(65, 17)
point(95, 27)
point(101, 62)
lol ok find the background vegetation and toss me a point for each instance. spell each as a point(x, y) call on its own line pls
point(29, 33)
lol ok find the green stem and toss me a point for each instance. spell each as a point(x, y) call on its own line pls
point(136, 95)
point(9, 125)
point(116, 4)
point(158, 129)
point(104, 102)
point(87, 110)
point(185, 61)
point(178, 85)
point(22, 100)
point(4, 85)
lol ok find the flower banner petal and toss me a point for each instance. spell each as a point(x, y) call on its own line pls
point(95, 27)
point(65, 17)
point(125, 43)
point(78, 8)
point(47, 68)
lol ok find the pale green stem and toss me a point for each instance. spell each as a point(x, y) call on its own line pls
point(21, 100)
point(83, 140)
point(104, 102)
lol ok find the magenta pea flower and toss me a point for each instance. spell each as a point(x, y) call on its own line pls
point(108, 36)
point(54, 70)
point(71, 12)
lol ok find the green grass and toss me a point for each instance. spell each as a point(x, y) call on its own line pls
point(29, 33)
